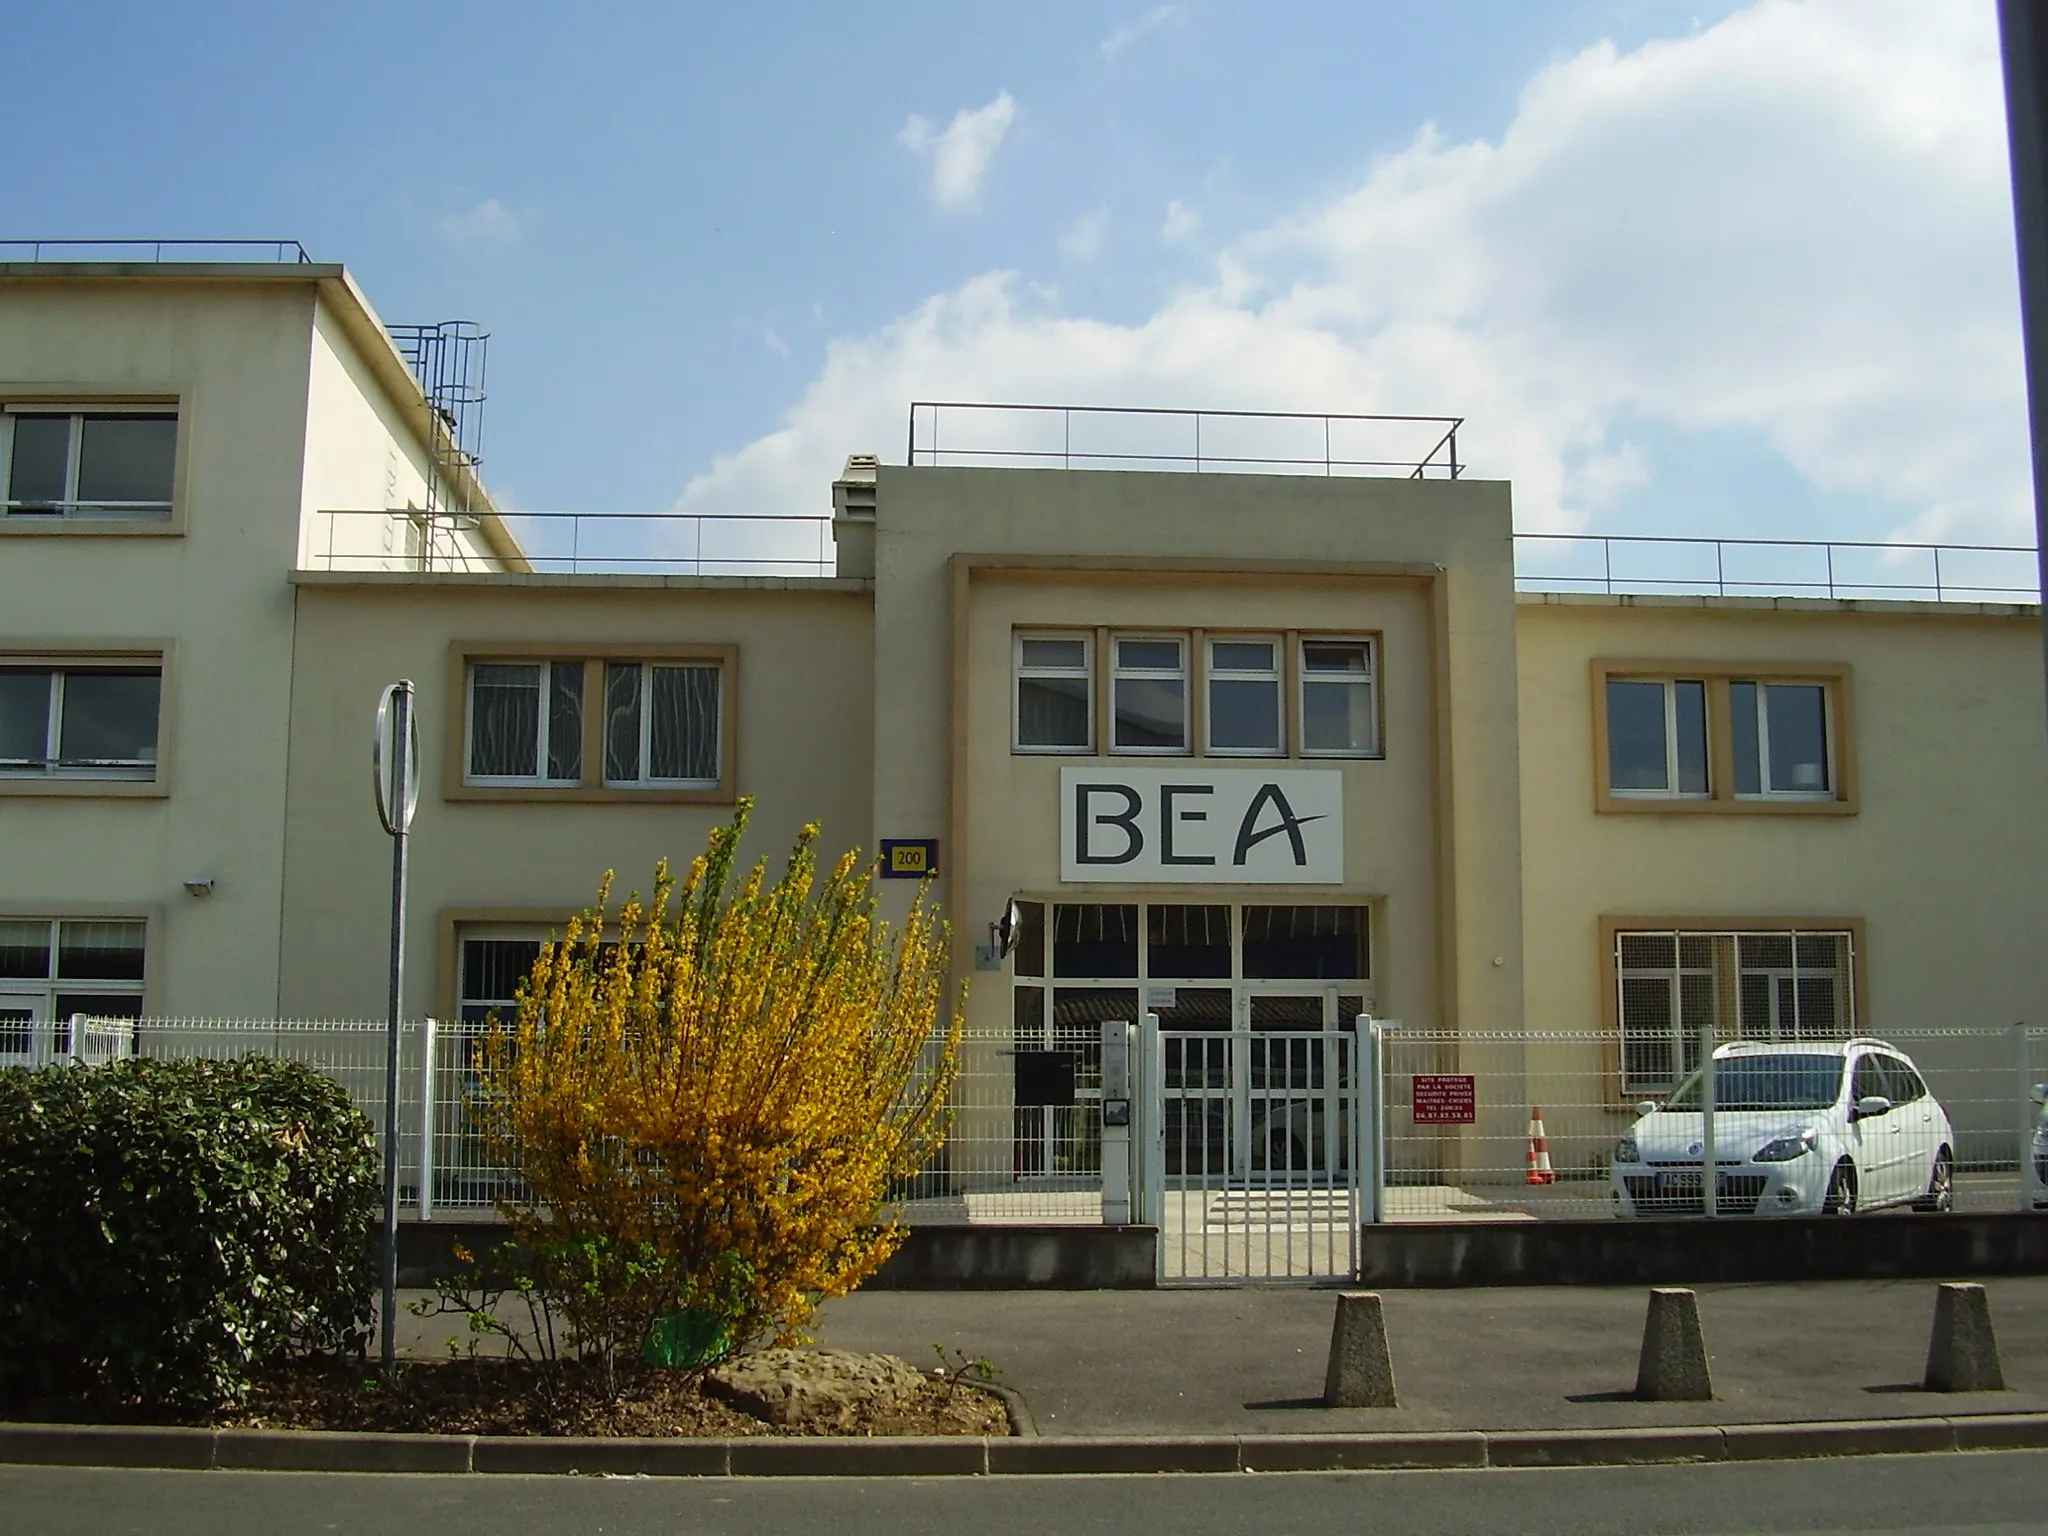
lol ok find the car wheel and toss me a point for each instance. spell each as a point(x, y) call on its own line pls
point(1841, 1196)
point(1941, 1185)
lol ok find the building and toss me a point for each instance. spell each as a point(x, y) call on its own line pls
point(1255, 749)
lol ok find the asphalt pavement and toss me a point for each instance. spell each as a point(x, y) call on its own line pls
point(1252, 1361)
point(1988, 1494)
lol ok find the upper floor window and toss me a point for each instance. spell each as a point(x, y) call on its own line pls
point(661, 724)
point(1780, 735)
point(526, 722)
point(1244, 696)
point(1656, 736)
point(103, 464)
point(1149, 694)
point(1339, 713)
point(1743, 738)
point(1055, 704)
point(648, 722)
point(79, 722)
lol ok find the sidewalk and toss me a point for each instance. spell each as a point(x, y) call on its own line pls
point(1250, 1362)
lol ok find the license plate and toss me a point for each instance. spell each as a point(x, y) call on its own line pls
point(1678, 1183)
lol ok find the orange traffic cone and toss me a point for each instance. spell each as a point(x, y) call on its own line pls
point(1540, 1171)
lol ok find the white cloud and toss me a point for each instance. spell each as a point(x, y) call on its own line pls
point(1793, 225)
point(1181, 223)
point(490, 222)
point(1082, 240)
point(773, 341)
point(960, 156)
point(1130, 32)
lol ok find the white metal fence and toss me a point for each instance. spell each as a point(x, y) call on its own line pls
point(1464, 1114)
point(1473, 1126)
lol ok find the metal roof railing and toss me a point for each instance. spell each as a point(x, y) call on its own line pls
point(1651, 564)
point(284, 252)
point(1148, 437)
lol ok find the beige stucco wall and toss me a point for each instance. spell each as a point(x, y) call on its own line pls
point(1946, 860)
point(805, 703)
point(234, 355)
point(360, 455)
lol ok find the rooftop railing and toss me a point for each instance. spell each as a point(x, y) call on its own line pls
point(963, 433)
point(693, 544)
point(1650, 565)
point(287, 252)
point(578, 543)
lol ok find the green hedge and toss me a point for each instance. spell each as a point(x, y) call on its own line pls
point(165, 1226)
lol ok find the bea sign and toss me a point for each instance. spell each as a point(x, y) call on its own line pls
point(1214, 826)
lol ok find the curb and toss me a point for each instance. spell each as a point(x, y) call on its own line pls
point(94, 1445)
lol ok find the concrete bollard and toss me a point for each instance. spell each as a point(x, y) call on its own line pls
point(1962, 1354)
point(1361, 1373)
point(1673, 1365)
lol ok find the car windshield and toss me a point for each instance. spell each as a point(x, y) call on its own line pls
point(1765, 1082)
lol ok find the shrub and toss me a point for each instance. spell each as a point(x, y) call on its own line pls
point(166, 1226)
point(708, 1095)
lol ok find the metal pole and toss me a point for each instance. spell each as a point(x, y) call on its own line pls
point(1709, 1164)
point(2024, 1092)
point(401, 768)
point(2023, 48)
point(426, 1199)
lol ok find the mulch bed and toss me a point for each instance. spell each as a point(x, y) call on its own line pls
point(508, 1397)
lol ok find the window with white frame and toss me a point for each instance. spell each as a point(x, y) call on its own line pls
point(1758, 985)
point(1055, 693)
point(1339, 708)
point(98, 463)
point(1149, 693)
point(1657, 736)
point(494, 967)
point(1780, 733)
point(1243, 716)
point(79, 722)
point(525, 723)
point(662, 724)
point(52, 968)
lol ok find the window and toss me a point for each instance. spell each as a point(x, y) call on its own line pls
point(1656, 737)
point(1149, 694)
point(1244, 696)
point(1780, 733)
point(51, 969)
point(1339, 717)
point(1671, 985)
point(606, 723)
point(82, 722)
point(88, 464)
point(493, 970)
point(525, 722)
point(1746, 739)
point(661, 724)
point(1055, 694)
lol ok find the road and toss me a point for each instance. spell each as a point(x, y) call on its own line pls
point(1980, 1494)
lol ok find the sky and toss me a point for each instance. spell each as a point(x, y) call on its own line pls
point(1684, 268)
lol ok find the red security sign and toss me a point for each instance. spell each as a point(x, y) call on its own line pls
point(1444, 1099)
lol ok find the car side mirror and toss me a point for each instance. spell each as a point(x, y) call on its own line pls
point(1872, 1105)
point(1649, 1106)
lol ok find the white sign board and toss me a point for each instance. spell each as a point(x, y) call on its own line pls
point(390, 758)
point(1202, 826)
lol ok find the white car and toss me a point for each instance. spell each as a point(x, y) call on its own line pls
point(1800, 1128)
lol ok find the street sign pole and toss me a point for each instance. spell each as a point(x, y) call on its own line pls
point(395, 766)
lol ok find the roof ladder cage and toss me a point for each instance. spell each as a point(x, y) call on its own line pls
point(448, 361)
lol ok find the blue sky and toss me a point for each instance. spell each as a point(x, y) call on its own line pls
point(1685, 267)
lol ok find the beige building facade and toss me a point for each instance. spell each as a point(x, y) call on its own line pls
point(1249, 749)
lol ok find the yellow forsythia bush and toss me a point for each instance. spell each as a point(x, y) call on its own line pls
point(708, 1094)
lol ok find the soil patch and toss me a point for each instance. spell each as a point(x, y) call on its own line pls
point(509, 1397)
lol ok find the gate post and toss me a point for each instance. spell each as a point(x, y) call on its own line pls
point(1368, 1100)
point(1116, 1122)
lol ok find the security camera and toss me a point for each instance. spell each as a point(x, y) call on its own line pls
point(200, 887)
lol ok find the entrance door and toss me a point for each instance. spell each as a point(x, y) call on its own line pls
point(23, 1017)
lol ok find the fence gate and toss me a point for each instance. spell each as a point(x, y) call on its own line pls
point(1251, 1169)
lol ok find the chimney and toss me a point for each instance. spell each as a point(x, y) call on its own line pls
point(853, 516)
